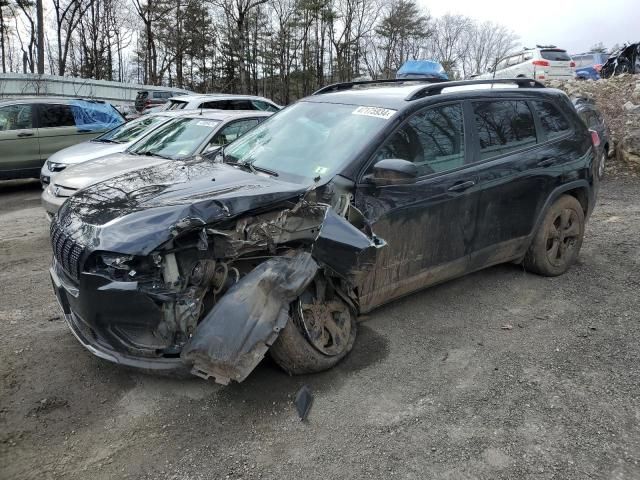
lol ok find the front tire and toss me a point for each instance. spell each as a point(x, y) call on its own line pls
point(557, 242)
point(318, 335)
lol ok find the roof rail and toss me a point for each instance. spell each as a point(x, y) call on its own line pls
point(337, 87)
point(436, 89)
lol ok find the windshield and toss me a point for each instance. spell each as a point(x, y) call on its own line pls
point(131, 131)
point(309, 140)
point(177, 139)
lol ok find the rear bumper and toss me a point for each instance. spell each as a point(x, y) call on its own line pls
point(66, 295)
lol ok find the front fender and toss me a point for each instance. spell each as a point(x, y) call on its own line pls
point(232, 339)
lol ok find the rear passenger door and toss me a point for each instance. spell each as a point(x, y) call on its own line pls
point(520, 159)
point(19, 147)
point(427, 225)
point(57, 129)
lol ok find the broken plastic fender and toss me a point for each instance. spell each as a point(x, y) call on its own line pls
point(232, 339)
point(344, 248)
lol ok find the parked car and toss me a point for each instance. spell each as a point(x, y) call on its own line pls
point(344, 201)
point(181, 138)
point(32, 129)
point(146, 99)
point(594, 120)
point(540, 63)
point(221, 101)
point(114, 141)
point(588, 65)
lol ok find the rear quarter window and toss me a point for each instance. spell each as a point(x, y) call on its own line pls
point(555, 55)
point(503, 126)
point(554, 123)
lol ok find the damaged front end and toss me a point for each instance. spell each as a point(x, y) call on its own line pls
point(215, 296)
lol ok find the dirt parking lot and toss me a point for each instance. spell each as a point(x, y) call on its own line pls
point(502, 374)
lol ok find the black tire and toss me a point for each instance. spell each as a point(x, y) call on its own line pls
point(294, 351)
point(602, 163)
point(556, 244)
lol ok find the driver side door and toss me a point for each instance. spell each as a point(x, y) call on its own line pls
point(428, 224)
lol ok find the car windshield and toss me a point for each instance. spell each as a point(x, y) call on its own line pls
point(131, 131)
point(555, 55)
point(309, 140)
point(177, 139)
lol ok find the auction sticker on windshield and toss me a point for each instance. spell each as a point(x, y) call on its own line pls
point(378, 112)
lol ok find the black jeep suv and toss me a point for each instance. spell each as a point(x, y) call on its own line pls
point(352, 197)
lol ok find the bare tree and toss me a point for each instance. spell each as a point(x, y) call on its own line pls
point(402, 29)
point(483, 45)
point(68, 16)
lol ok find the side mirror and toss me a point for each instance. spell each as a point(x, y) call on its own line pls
point(393, 171)
point(211, 151)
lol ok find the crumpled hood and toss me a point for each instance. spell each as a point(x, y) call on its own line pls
point(85, 151)
point(94, 171)
point(136, 212)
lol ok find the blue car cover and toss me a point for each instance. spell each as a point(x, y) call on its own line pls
point(422, 69)
point(95, 116)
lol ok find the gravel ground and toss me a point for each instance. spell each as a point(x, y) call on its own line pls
point(501, 374)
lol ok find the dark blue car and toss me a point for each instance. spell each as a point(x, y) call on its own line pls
point(588, 65)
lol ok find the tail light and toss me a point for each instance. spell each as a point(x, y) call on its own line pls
point(598, 67)
point(572, 64)
point(595, 138)
point(540, 63)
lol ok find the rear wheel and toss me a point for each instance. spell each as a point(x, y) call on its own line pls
point(319, 333)
point(603, 159)
point(557, 242)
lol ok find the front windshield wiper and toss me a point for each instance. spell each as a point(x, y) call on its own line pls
point(151, 154)
point(104, 140)
point(252, 168)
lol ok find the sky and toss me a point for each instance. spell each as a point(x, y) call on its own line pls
point(574, 25)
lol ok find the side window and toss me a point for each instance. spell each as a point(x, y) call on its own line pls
point(515, 60)
point(15, 117)
point(502, 64)
point(219, 105)
point(264, 106)
point(52, 116)
point(433, 139)
point(503, 126)
point(240, 105)
point(553, 122)
point(232, 131)
point(527, 56)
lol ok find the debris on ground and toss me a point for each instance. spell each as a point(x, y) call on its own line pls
point(618, 99)
point(303, 402)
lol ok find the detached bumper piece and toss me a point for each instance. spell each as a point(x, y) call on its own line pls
point(232, 339)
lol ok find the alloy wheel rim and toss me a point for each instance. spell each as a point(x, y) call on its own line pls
point(327, 325)
point(562, 237)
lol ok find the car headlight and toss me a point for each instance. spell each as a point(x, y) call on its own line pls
point(116, 260)
point(56, 166)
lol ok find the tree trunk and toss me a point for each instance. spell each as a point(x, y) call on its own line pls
point(40, 15)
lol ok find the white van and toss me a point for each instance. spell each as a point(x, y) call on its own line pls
point(540, 63)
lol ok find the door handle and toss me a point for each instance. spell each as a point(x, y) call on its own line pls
point(546, 162)
point(462, 186)
point(81, 130)
point(26, 134)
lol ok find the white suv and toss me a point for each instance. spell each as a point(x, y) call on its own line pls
point(220, 101)
point(540, 63)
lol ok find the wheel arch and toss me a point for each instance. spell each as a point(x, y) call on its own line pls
point(579, 189)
